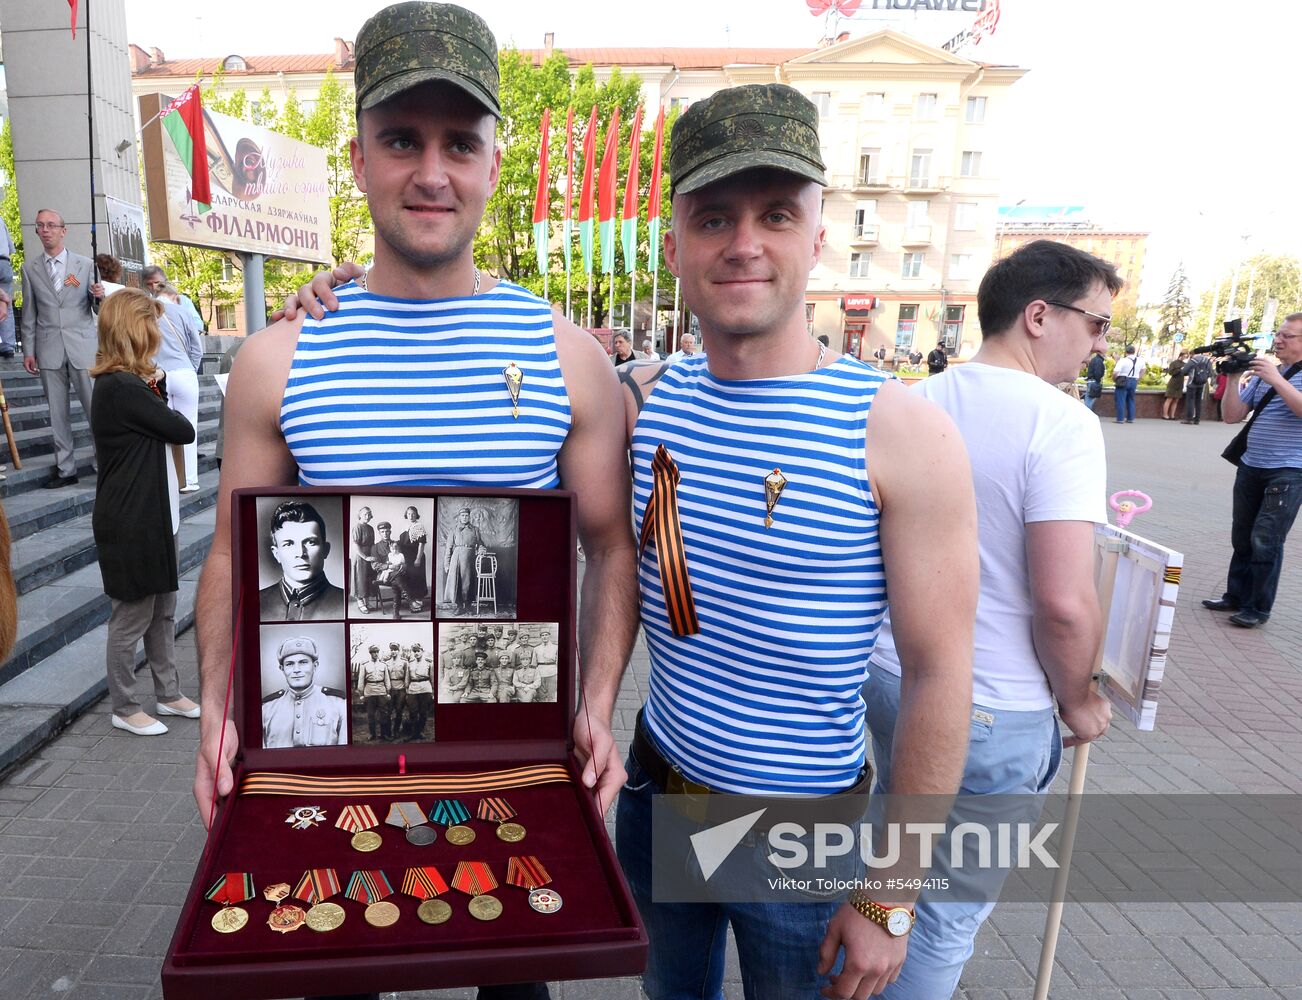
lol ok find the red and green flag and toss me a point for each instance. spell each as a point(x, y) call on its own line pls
point(73, 5)
point(541, 198)
point(653, 196)
point(628, 231)
point(585, 194)
point(566, 221)
point(183, 121)
point(606, 191)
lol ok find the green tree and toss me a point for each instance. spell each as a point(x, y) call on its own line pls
point(1176, 308)
point(9, 204)
point(1268, 276)
point(1128, 327)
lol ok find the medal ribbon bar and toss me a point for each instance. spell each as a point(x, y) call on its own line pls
point(405, 814)
point(368, 886)
point(231, 888)
point(449, 812)
point(495, 810)
point(527, 872)
point(354, 819)
point(473, 878)
point(423, 883)
point(317, 885)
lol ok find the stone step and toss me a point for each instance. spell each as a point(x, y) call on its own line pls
point(37, 705)
point(57, 613)
point(67, 546)
point(35, 441)
point(31, 410)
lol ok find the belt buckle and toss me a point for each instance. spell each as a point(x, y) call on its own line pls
point(691, 799)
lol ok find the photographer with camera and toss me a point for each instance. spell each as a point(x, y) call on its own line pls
point(1268, 487)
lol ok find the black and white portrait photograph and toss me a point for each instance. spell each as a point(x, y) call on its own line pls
point(300, 559)
point(304, 699)
point(476, 555)
point(389, 558)
point(498, 663)
point(391, 677)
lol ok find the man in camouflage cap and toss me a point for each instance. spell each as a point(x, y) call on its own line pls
point(427, 159)
point(762, 599)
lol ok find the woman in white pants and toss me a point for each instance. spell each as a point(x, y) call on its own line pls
point(179, 356)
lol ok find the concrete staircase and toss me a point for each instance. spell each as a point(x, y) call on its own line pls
point(56, 669)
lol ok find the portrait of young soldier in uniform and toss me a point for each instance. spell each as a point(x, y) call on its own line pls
point(298, 563)
point(476, 554)
point(303, 699)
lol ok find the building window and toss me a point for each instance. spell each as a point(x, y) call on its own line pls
point(976, 110)
point(912, 265)
point(865, 215)
point(920, 168)
point(953, 335)
point(228, 269)
point(874, 106)
point(927, 106)
point(823, 101)
point(905, 327)
point(868, 163)
point(960, 266)
point(971, 164)
point(225, 317)
point(917, 213)
point(809, 316)
point(859, 265)
point(681, 103)
point(235, 63)
point(965, 213)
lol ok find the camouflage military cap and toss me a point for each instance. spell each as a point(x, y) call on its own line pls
point(300, 644)
point(742, 128)
point(408, 44)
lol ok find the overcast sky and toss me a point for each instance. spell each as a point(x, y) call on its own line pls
point(1167, 117)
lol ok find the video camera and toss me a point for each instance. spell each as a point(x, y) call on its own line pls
point(1235, 352)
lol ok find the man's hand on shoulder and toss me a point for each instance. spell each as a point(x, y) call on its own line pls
point(317, 296)
point(873, 958)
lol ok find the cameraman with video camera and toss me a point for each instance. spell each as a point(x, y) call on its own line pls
point(1268, 488)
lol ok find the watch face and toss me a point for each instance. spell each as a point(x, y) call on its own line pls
point(898, 922)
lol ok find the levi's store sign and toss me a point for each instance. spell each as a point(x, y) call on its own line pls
point(859, 303)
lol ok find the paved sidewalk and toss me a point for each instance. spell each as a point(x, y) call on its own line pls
point(98, 833)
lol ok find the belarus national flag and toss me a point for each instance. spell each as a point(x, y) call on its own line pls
point(585, 195)
point(183, 120)
point(628, 234)
point(606, 194)
point(541, 199)
point(566, 221)
point(653, 196)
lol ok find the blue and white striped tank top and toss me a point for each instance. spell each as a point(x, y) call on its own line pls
point(411, 392)
point(766, 697)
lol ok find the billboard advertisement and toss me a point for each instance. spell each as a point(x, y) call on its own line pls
point(269, 192)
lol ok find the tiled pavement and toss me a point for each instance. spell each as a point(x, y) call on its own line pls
point(98, 833)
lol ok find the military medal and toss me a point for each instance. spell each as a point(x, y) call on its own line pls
point(545, 900)
point(527, 872)
point(434, 911)
point(231, 888)
point(276, 893)
point(473, 878)
point(422, 836)
point(453, 815)
point(485, 907)
point(497, 810)
point(315, 887)
point(774, 483)
point(423, 883)
point(514, 379)
point(372, 888)
point(411, 817)
point(284, 919)
point(306, 817)
point(358, 821)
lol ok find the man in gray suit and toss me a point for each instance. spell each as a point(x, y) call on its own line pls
point(60, 299)
point(8, 338)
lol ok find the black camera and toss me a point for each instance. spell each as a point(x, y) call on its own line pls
point(1235, 352)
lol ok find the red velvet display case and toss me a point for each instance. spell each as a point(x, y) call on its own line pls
point(476, 750)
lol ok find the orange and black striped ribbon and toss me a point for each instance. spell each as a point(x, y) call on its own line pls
point(312, 785)
point(473, 878)
point(495, 810)
point(356, 818)
point(423, 883)
point(368, 886)
point(527, 872)
point(233, 887)
point(317, 885)
point(660, 521)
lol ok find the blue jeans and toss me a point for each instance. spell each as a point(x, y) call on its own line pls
point(1125, 398)
point(777, 942)
point(1087, 399)
point(1017, 752)
point(1265, 506)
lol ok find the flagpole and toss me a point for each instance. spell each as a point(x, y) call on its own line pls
point(612, 298)
point(90, 149)
point(589, 282)
point(655, 293)
point(568, 314)
point(632, 306)
point(676, 289)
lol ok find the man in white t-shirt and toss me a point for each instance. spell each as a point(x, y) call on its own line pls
point(1039, 470)
point(1125, 379)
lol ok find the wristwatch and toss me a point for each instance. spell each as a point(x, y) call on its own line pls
point(897, 921)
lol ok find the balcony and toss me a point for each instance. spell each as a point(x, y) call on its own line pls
point(870, 182)
point(917, 236)
point(918, 184)
point(865, 234)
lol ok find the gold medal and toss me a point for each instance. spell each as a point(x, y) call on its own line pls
point(512, 833)
point(545, 900)
point(284, 919)
point(325, 917)
point(485, 907)
point(229, 919)
point(514, 379)
point(434, 911)
point(460, 835)
point(774, 483)
point(276, 893)
point(382, 914)
point(367, 841)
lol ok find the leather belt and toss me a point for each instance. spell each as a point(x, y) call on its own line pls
point(847, 806)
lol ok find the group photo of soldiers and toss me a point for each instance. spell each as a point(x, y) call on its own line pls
point(476, 552)
point(499, 663)
point(389, 558)
point(304, 701)
point(392, 670)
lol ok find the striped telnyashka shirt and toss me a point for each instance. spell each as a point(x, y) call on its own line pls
point(766, 697)
point(1275, 440)
point(411, 392)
